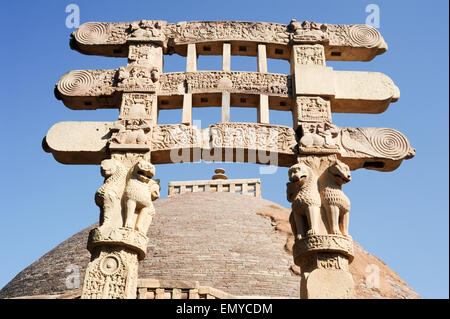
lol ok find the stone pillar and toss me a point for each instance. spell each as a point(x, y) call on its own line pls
point(113, 270)
point(125, 198)
point(120, 241)
point(258, 190)
point(319, 220)
point(323, 248)
point(324, 260)
point(244, 188)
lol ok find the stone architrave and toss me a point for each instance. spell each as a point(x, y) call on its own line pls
point(346, 91)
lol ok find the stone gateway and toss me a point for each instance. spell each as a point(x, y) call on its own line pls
point(320, 154)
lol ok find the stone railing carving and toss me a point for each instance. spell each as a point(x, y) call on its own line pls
point(177, 289)
point(249, 187)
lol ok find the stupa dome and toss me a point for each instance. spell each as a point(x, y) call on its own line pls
point(234, 243)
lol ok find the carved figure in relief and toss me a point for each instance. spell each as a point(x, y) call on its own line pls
point(109, 195)
point(307, 31)
point(137, 78)
point(154, 75)
point(140, 191)
point(335, 202)
point(303, 193)
point(145, 29)
point(131, 132)
point(122, 74)
point(319, 136)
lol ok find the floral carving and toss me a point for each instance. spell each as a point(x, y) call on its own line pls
point(316, 243)
point(110, 275)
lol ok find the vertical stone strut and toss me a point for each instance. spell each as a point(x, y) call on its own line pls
point(263, 108)
point(226, 57)
point(191, 66)
point(226, 97)
point(187, 109)
point(125, 198)
point(226, 100)
point(191, 61)
point(319, 219)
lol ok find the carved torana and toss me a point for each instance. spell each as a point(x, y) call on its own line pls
point(319, 154)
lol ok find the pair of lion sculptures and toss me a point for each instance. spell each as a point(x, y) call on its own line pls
point(125, 198)
point(310, 188)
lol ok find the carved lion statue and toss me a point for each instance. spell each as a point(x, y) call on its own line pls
point(336, 203)
point(108, 197)
point(140, 191)
point(303, 193)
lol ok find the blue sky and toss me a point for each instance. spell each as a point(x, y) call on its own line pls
point(401, 216)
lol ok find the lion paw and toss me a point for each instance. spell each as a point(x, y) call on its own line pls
point(336, 232)
point(311, 232)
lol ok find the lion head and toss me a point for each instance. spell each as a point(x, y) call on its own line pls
point(341, 172)
point(299, 173)
point(144, 171)
point(108, 167)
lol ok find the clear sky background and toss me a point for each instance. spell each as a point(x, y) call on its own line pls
point(401, 216)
